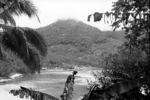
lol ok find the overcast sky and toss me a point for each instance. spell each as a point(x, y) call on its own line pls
point(50, 11)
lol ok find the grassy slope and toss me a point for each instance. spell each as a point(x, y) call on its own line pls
point(74, 42)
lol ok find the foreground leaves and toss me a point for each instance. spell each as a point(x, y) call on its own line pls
point(133, 16)
point(124, 90)
point(8, 8)
point(32, 94)
point(22, 41)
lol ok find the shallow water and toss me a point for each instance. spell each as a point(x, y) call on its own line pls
point(50, 82)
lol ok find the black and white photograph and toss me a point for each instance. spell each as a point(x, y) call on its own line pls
point(74, 49)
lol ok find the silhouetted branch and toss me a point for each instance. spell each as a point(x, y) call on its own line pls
point(32, 94)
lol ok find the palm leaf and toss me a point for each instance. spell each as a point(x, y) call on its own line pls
point(89, 17)
point(33, 61)
point(14, 40)
point(17, 40)
point(33, 94)
point(31, 36)
point(1, 54)
point(7, 18)
point(23, 7)
point(5, 27)
point(18, 7)
point(36, 39)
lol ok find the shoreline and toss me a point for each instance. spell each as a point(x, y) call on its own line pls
point(12, 77)
point(16, 82)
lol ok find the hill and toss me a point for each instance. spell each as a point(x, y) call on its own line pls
point(74, 42)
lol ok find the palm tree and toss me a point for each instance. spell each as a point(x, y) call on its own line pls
point(21, 40)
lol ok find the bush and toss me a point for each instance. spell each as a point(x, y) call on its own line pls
point(12, 64)
point(122, 70)
point(127, 64)
point(5, 68)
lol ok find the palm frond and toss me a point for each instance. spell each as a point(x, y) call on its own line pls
point(33, 61)
point(17, 40)
point(1, 54)
point(7, 18)
point(33, 94)
point(14, 40)
point(36, 39)
point(18, 7)
point(31, 36)
point(23, 7)
point(5, 27)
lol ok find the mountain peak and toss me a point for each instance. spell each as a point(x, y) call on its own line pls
point(69, 24)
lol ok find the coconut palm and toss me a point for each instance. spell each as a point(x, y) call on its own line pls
point(18, 39)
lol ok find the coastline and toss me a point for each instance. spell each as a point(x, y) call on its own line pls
point(80, 81)
point(12, 77)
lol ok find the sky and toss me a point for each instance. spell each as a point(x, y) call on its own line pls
point(50, 11)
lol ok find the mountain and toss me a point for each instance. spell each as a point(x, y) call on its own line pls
point(69, 31)
point(74, 42)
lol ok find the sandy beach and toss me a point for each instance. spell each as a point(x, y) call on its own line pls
point(54, 79)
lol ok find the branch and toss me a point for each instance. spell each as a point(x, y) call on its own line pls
point(34, 95)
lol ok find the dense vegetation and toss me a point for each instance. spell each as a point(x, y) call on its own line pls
point(131, 60)
point(74, 42)
point(26, 43)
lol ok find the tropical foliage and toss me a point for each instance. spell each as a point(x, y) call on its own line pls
point(73, 42)
point(131, 61)
point(24, 42)
point(133, 16)
point(32, 94)
point(67, 94)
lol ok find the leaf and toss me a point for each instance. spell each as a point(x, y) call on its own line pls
point(89, 17)
point(97, 16)
point(14, 40)
point(18, 7)
point(107, 14)
point(17, 39)
point(36, 39)
point(33, 60)
point(7, 18)
point(23, 7)
point(34, 95)
point(116, 24)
